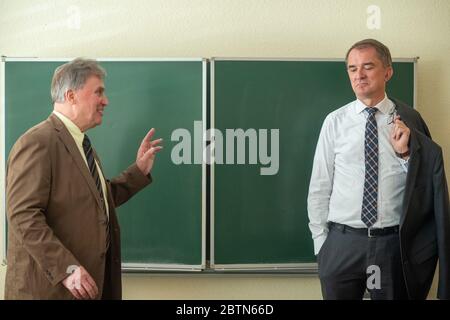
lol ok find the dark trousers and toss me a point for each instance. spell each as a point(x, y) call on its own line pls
point(350, 263)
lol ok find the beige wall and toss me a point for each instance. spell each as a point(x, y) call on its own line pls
point(236, 28)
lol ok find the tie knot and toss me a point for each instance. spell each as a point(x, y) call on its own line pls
point(371, 111)
point(86, 142)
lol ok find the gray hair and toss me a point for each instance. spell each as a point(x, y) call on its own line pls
point(73, 75)
point(382, 51)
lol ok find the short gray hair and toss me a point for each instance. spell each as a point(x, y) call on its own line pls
point(382, 51)
point(73, 75)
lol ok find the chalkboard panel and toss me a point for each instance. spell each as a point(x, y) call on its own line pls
point(162, 226)
point(260, 221)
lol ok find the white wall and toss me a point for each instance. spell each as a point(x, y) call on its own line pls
point(236, 28)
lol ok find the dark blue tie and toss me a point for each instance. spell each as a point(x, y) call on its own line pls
point(370, 197)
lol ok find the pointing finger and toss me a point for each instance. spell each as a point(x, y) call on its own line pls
point(149, 134)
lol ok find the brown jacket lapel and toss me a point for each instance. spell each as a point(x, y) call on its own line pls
point(65, 136)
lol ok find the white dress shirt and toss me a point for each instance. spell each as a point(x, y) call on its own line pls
point(78, 136)
point(338, 174)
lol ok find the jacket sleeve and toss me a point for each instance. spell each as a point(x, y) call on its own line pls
point(424, 128)
point(441, 207)
point(28, 188)
point(127, 184)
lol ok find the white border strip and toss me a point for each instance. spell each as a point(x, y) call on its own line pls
point(303, 267)
point(2, 160)
point(29, 59)
point(204, 120)
point(159, 267)
point(303, 59)
point(212, 147)
point(36, 59)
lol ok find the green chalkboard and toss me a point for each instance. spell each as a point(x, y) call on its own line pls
point(260, 221)
point(162, 226)
point(256, 221)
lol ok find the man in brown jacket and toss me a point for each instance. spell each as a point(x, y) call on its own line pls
point(63, 233)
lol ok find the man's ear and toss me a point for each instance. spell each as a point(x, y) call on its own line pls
point(389, 73)
point(69, 96)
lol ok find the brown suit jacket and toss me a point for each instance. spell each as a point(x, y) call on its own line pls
point(56, 217)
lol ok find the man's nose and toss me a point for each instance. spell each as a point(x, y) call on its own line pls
point(105, 101)
point(360, 74)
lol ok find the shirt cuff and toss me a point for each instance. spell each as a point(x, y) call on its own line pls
point(404, 163)
point(318, 242)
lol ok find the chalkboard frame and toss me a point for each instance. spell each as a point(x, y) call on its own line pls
point(212, 268)
point(305, 268)
point(126, 266)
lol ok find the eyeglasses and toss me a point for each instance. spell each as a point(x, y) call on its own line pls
point(392, 115)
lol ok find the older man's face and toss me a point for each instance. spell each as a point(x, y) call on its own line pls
point(367, 73)
point(90, 102)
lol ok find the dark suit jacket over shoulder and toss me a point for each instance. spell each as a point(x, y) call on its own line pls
point(425, 221)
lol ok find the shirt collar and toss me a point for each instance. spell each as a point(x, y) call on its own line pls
point(75, 132)
point(384, 106)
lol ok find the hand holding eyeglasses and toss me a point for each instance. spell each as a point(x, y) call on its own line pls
point(400, 138)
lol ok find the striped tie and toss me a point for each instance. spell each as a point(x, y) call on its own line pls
point(370, 196)
point(87, 147)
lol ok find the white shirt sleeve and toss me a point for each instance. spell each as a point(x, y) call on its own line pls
point(321, 185)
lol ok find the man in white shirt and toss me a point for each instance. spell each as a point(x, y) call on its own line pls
point(357, 188)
